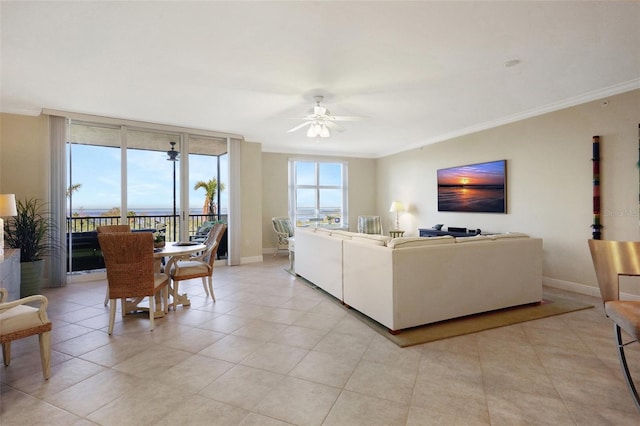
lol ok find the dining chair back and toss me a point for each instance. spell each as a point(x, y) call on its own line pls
point(19, 320)
point(611, 260)
point(200, 265)
point(129, 260)
point(105, 229)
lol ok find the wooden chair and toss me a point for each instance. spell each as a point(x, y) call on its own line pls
point(611, 260)
point(199, 266)
point(104, 229)
point(18, 320)
point(130, 271)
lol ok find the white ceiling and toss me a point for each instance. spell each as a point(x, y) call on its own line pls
point(419, 72)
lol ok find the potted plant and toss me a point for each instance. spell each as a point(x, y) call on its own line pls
point(30, 231)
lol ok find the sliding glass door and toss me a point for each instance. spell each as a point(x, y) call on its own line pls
point(140, 177)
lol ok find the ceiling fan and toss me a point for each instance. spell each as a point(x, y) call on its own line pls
point(320, 120)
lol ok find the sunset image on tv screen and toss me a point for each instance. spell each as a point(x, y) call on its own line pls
point(473, 188)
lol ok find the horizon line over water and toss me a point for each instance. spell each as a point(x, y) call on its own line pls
point(143, 211)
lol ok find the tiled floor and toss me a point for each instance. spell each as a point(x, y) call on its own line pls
point(272, 351)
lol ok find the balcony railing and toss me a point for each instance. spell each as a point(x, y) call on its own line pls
point(85, 253)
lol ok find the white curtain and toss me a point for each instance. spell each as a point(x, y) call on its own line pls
point(58, 127)
point(234, 252)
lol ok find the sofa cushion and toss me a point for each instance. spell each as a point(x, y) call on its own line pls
point(419, 241)
point(345, 235)
point(508, 235)
point(472, 239)
point(379, 240)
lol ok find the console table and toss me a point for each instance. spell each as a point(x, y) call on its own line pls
point(429, 232)
point(396, 233)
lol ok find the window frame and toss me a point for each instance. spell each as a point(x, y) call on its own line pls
point(294, 211)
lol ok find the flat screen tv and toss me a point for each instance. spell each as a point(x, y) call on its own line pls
point(479, 188)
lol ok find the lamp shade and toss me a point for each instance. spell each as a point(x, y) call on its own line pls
point(8, 205)
point(397, 206)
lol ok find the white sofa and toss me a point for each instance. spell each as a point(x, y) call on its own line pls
point(407, 282)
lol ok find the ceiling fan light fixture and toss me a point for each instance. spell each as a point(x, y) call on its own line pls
point(324, 131)
point(318, 130)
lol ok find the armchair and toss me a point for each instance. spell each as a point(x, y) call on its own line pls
point(369, 225)
point(18, 320)
point(284, 231)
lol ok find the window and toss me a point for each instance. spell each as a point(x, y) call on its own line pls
point(318, 193)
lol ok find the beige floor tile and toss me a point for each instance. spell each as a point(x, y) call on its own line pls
point(260, 329)
point(194, 373)
point(301, 337)
point(443, 415)
point(20, 409)
point(509, 407)
point(152, 362)
point(275, 357)
point(353, 408)
point(197, 410)
point(63, 376)
point(193, 340)
point(298, 402)
point(324, 368)
point(394, 383)
point(232, 348)
point(146, 403)
point(254, 419)
point(82, 344)
point(242, 386)
point(89, 395)
point(225, 323)
point(340, 344)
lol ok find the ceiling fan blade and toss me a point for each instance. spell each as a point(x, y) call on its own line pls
point(334, 126)
point(345, 118)
point(300, 126)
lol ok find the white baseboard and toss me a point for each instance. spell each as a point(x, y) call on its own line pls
point(251, 259)
point(582, 288)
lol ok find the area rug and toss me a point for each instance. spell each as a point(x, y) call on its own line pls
point(550, 306)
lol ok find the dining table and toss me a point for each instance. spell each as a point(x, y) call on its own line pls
point(171, 252)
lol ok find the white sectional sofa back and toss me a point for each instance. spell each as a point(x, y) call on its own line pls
point(414, 285)
point(406, 282)
point(319, 259)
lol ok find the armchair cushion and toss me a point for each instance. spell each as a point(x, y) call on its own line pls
point(19, 318)
point(283, 225)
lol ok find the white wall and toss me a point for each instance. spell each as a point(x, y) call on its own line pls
point(549, 182)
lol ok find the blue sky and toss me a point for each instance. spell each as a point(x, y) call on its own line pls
point(149, 176)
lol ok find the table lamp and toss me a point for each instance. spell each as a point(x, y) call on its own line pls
point(397, 207)
point(7, 208)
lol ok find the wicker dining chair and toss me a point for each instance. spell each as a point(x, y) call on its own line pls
point(198, 266)
point(18, 320)
point(611, 260)
point(128, 257)
point(105, 229)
